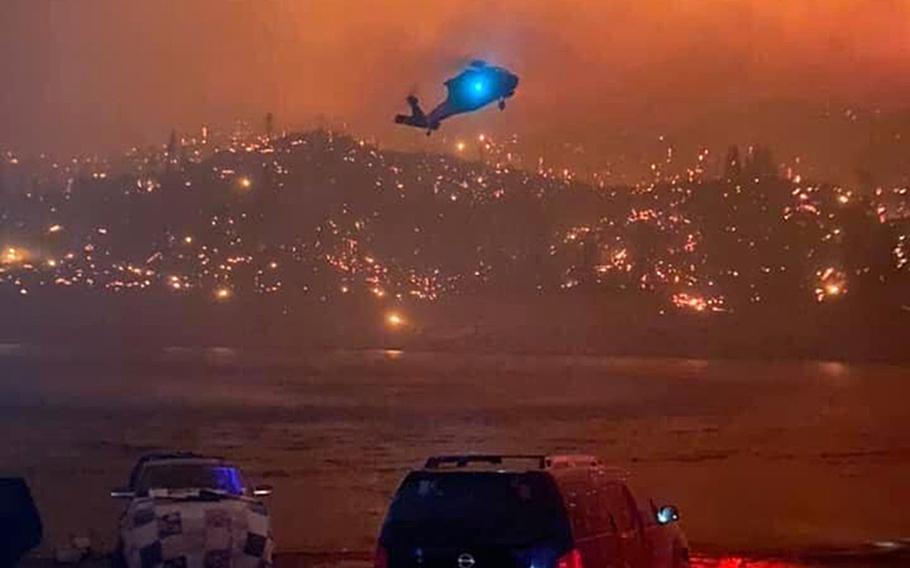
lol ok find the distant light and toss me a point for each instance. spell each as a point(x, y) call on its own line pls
point(832, 284)
point(844, 199)
point(52, 263)
point(223, 293)
point(890, 544)
point(245, 182)
point(460, 146)
point(54, 229)
point(188, 240)
point(13, 255)
point(393, 353)
point(394, 320)
point(482, 137)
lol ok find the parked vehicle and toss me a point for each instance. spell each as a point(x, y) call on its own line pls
point(192, 510)
point(473, 511)
point(20, 523)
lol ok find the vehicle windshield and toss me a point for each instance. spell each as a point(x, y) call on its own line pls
point(488, 507)
point(220, 478)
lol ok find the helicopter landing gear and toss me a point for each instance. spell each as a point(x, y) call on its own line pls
point(502, 104)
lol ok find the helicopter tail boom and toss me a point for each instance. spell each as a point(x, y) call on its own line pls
point(417, 117)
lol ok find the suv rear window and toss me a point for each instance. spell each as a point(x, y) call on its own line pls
point(483, 507)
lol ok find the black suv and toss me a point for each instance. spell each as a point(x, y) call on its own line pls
point(472, 511)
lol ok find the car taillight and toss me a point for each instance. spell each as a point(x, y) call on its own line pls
point(381, 560)
point(571, 560)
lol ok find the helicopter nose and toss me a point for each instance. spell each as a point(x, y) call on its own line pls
point(513, 81)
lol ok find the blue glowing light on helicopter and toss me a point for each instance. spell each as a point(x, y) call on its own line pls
point(478, 87)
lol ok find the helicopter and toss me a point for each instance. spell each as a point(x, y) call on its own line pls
point(472, 89)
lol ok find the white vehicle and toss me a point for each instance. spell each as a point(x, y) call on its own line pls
point(189, 510)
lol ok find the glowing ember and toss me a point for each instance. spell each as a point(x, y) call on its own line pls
point(831, 284)
point(696, 303)
point(13, 255)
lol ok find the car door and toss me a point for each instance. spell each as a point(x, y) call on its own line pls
point(583, 507)
point(574, 497)
point(628, 525)
point(604, 527)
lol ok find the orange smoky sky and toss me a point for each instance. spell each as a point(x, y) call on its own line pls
point(82, 75)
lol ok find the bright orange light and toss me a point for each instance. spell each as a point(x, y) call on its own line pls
point(245, 182)
point(698, 303)
point(188, 240)
point(13, 255)
point(460, 146)
point(394, 319)
point(832, 284)
point(223, 293)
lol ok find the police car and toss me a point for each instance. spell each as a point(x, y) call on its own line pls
point(191, 510)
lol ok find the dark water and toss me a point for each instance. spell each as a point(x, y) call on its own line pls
point(758, 456)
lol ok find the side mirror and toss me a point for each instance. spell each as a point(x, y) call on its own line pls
point(667, 514)
point(122, 493)
point(262, 490)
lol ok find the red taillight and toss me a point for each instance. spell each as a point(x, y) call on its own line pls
point(381, 560)
point(572, 559)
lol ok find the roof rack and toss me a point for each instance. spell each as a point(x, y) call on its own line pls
point(178, 455)
point(567, 461)
point(439, 462)
point(541, 461)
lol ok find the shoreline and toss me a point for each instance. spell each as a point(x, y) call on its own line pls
point(554, 326)
point(253, 355)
